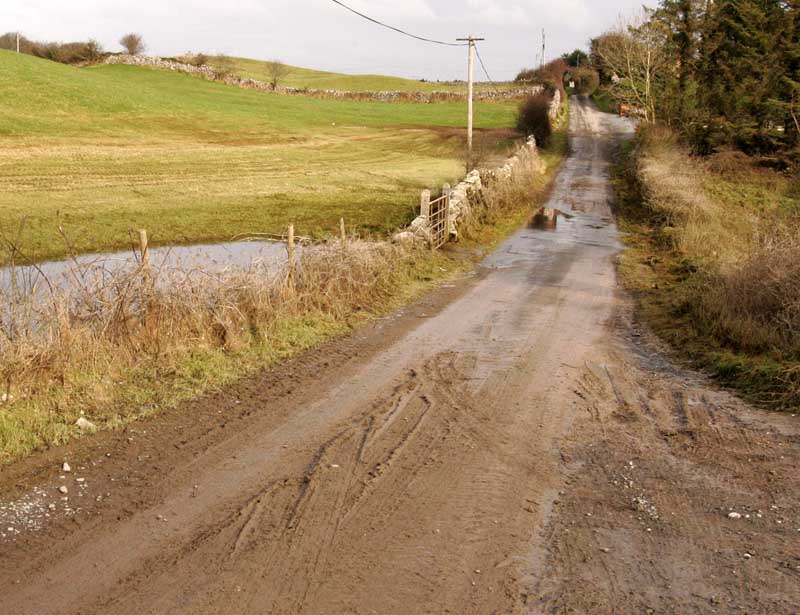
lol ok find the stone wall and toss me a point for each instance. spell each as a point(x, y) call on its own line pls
point(555, 105)
point(156, 62)
point(461, 196)
point(464, 195)
point(207, 72)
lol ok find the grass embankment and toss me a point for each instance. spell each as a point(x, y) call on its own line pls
point(120, 348)
point(714, 259)
point(323, 80)
point(102, 150)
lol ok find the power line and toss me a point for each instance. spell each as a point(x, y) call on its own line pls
point(403, 32)
point(483, 66)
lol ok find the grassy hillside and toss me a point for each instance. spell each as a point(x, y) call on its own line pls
point(323, 80)
point(110, 148)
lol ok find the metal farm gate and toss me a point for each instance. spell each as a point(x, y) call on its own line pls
point(439, 218)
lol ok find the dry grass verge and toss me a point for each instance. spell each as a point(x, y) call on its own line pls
point(714, 257)
point(118, 345)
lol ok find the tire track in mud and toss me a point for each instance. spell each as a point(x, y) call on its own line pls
point(287, 531)
point(643, 526)
point(363, 475)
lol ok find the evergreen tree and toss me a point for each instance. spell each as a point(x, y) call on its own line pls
point(787, 100)
point(680, 20)
point(740, 71)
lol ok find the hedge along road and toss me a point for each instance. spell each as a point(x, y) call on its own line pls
point(503, 446)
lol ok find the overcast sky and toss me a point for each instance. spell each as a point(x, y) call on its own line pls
point(320, 34)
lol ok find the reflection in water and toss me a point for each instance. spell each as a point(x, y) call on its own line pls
point(29, 291)
point(196, 259)
point(546, 219)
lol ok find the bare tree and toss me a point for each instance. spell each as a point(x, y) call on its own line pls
point(223, 66)
point(634, 53)
point(276, 70)
point(133, 43)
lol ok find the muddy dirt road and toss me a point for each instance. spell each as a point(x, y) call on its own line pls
point(513, 443)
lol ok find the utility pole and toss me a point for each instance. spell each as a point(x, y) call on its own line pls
point(470, 65)
point(544, 45)
point(17, 42)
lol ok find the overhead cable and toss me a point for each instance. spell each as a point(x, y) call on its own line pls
point(403, 32)
point(486, 72)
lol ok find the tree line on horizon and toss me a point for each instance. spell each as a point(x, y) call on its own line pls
point(77, 52)
point(91, 51)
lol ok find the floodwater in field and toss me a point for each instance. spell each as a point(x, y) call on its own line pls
point(200, 259)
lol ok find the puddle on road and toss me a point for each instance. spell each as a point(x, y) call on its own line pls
point(546, 219)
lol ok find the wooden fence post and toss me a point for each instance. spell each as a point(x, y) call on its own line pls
point(343, 233)
point(143, 248)
point(446, 194)
point(147, 276)
point(425, 204)
point(290, 254)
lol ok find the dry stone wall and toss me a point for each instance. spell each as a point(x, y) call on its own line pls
point(555, 105)
point(461, 196)
point(207, 72)
point(465, 194)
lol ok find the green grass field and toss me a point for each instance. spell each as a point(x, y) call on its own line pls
point(103, 150)
point(298, 77)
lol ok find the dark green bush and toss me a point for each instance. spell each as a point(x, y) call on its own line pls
point(533, 118)
point(586, 80)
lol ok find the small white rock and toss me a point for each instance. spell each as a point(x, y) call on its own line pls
point(66, 468)
point(734, 515)
point(63, 489)
point(85, 424)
